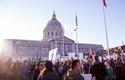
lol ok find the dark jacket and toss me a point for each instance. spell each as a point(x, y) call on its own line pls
point(99, 71)
point(73, 75)
point(36, 74)
point(50, 76)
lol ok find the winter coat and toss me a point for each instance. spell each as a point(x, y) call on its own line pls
point(73, 75)
point(50, 75)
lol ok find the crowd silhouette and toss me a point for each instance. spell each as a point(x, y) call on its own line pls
point(70, 69)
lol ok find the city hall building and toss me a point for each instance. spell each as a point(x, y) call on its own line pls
point(53, 37)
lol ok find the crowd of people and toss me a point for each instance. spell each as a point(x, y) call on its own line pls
point(70, 69)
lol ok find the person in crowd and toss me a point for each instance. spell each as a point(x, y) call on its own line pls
point(109, 70)
point(56, 66)
point(120, 70)
point(65, 67)
point(3, 71)
point(14, 72)
point(48, 73)
point(74, 73)
point(123, 71)
point(38, 69)
point(25, 71)
point(60, 69)
point(82, 66)
point(98, 70)
point(87, 66)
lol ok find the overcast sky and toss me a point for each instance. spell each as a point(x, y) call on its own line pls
point(25, 19)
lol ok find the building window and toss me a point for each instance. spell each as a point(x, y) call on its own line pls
point(48, 33)
point(59, 33)
point(56, 34)
point(51, 33)
point(68, 47)
point(79, 50)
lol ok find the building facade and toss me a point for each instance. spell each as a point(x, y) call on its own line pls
point(53, 37)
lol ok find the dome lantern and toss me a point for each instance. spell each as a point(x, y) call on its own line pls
point(54, 15)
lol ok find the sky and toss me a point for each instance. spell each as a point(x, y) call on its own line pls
point(26, 19)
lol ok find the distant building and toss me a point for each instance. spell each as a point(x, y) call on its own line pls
point(53, 37)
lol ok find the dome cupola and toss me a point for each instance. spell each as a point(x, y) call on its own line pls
point(53, 29)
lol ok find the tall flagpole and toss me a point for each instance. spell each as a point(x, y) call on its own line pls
point(106, 32)
point(77, 41)
point(76, 36)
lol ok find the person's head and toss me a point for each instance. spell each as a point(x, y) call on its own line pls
point(67, 63)
point(61, 63)
point(82, 62)
point(49, 66)
point(96, 58)
point(107, 63)
point(75, 64)
point(41, 66)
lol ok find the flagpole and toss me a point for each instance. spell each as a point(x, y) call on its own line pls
point(76, 37)
point(77, 42)
point(106, 32)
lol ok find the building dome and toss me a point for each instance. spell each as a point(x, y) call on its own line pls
point(53, 29)
point(54, 23)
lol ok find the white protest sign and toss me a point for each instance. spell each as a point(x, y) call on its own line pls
point(64, 57)
point(80, 56)
point(71, 55)
point(52, 54)
point(58, 56)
